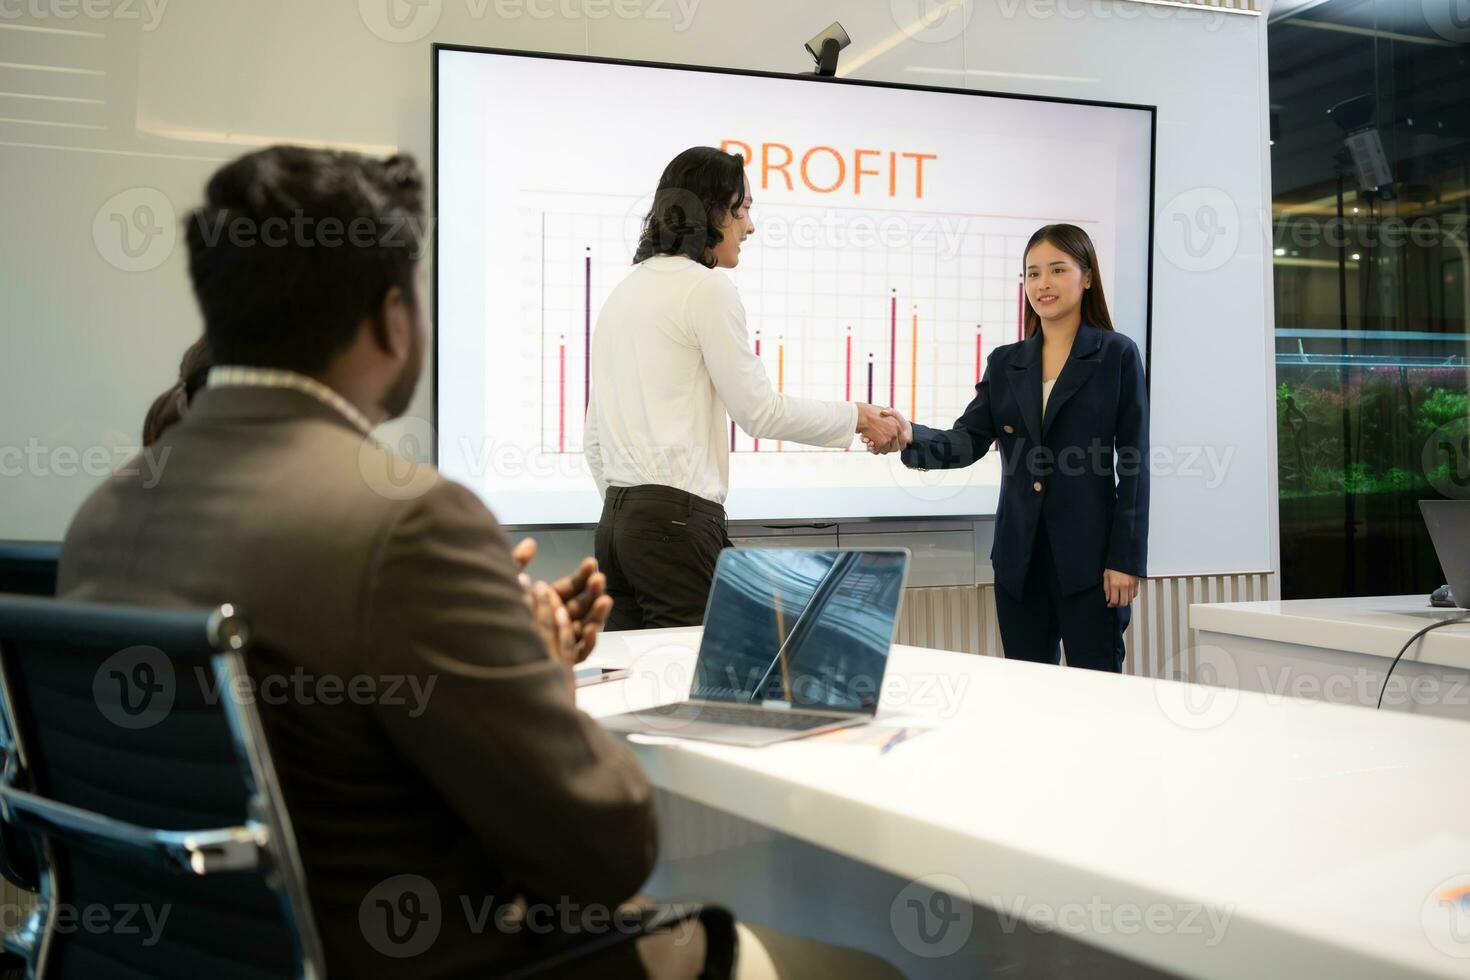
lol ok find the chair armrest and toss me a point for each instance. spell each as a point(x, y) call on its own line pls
point(214, 850)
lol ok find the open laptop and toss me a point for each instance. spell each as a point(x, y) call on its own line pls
point(1449, 529)
point(795, 642)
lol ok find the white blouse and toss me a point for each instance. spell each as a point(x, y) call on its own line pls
point(671, 365)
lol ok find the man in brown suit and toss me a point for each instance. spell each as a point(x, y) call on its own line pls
point(456, 813)
point(422, 724)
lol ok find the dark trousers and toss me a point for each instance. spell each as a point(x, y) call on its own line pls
point(1031, 625)
point(658, 547)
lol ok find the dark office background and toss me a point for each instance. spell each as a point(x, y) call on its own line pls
point(1371, 308)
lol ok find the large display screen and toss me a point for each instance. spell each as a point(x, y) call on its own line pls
point(885, 266)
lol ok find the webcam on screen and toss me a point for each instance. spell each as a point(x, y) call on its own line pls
point(825, 47)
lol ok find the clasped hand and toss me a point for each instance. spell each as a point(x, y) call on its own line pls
point(569, 612)
point(884, 430)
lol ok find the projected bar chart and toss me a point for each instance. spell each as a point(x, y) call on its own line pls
point(905, 324)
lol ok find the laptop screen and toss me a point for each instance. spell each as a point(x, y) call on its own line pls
point(808, 628)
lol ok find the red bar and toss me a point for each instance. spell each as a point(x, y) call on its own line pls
point(561, 398)
point(979, 354)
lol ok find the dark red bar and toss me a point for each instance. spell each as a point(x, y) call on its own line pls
point(1020, 311)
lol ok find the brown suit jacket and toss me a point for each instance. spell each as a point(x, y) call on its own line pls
point(350, 563)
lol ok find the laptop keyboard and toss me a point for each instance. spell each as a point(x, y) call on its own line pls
point(793, 721)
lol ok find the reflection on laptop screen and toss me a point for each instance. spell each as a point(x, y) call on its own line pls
point(810, 628)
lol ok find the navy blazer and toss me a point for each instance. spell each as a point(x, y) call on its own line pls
point(1060, 466)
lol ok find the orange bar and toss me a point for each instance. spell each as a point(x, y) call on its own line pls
point(914, 372)
point(780, 379)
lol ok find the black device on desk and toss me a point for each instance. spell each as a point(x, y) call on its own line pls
point(795, 642)
point(1449, 528)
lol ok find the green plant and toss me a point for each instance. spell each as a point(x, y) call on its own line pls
point(1389, 415)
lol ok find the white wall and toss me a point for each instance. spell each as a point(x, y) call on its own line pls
point(184, 85)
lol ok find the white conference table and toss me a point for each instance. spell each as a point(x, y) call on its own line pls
point(1202, 831)
point(1338, 650)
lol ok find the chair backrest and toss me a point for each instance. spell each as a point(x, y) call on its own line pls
point(139, 760)
point(29, 567)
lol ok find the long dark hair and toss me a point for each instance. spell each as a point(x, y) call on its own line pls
point(698, 188)
point(1073, 241)
point(170, 406)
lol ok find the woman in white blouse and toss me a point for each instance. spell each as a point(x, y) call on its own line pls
point(672, 363)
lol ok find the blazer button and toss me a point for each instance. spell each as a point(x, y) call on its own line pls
point(1009, 429)
point(1036, 486)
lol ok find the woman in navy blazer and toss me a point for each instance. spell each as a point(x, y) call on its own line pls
point(1071, 530)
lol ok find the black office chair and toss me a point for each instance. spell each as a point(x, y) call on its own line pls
point(29, 567)
point(150, 787)
point(150, 792)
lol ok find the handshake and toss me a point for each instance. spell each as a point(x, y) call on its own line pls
point(884, 430)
